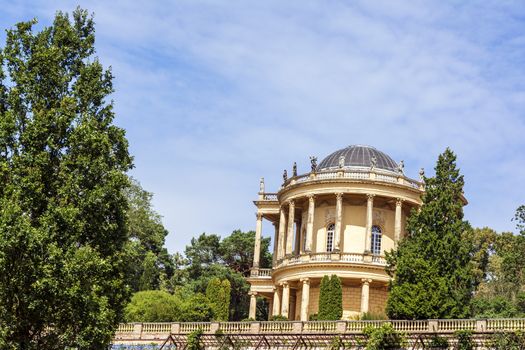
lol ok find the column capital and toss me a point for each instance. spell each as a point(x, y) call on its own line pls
point(339, 195)
point(291, 203)
point(311, 197)
point(370, 196)
point(399, 201)
point(252, 293)
point(259, 216)
point(284, 284)
point(305, 280)
point(275, 288)
point(366, 280)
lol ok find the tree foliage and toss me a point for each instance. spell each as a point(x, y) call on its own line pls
point(153, 306)
point(330, 299)
point(432, 269)
point(149, 262)
point(218, 293)
point(62, 169)
point(502, 292)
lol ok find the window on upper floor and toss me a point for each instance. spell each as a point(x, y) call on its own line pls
point(330, 237)
point(376, 240)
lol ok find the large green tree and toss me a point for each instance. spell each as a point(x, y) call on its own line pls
point(63, 172)
point(432, 269)
point(149, 262)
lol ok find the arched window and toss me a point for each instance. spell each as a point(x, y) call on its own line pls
point(330, 237)
point(376, 240)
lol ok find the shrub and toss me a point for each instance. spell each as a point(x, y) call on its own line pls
point(218, 293)
point(330, 299)
point(194, 340)
point(196, 308)
point(508, 340)
point(464, 340)
point(313, 317)
point(383, 337)
point(437, 342)
point(278, 318)
point(152, 306)
point(372, 316)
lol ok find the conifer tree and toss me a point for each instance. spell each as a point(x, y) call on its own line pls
point(432, 271)
point(63, 174)
point(330, 299)
point(218, 293)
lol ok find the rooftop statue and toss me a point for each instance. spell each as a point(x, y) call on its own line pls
point(341, 162)
point(401, 167)
point(294, 169)
point(261, 185)
point(373, 162)
point(285, 176)
point(313, 162)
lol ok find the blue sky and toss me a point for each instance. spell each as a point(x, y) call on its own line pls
point(216, 94)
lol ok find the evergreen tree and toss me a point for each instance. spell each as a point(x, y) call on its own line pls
point(337, 298)
point(324, 299)
point(63, 173)
point(330, 299)
point(432, 271)
point(218, 293)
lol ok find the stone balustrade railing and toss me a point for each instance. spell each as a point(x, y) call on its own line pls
point(362, 174)
point(261, 273)
point(332, 257)
point(145, 331)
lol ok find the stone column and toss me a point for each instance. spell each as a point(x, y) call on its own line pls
point(310, 223)
point(365, 294)
point(257, 248)
point(282, 231)
point(289, 234)
point(253, 305)
point(275, 243)
point(338, 219)
point(276, 301)
point(286, 299)
point(305, 298)
point(397, 221)
point(297, 249)
point(369, 212)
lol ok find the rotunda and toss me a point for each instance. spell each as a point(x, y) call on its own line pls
point(339, 218)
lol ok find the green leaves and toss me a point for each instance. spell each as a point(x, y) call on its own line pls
point(218, 293)
point(63, 210)
point(433, 268)
point(330, 299)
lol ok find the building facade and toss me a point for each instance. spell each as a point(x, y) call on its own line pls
point(339, 218)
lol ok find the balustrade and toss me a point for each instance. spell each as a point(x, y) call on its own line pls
point(364, 174)
point(328, 257)
point(149, 331)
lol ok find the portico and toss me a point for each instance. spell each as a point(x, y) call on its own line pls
point(339, 218)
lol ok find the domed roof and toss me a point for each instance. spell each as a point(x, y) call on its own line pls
point(359, 156)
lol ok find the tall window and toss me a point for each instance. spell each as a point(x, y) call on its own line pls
point(330, 237)
point(376, 240)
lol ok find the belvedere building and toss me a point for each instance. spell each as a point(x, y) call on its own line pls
point(339, 218)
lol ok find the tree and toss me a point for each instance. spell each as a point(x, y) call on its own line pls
point(218, 293)
point(432, 270)
point(149, 262)
point(63, 172)
point(236, 251)
point(202, 253)
point(153, 306)
point(330, 299)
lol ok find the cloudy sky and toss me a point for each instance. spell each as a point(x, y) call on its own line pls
point(216, 94)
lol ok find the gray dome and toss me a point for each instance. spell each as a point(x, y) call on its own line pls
point(359, 156)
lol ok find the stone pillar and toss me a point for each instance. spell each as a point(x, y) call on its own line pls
point(253, 305)
point(369, 212)
point(275, 243)
point(365, 294)
point(310, 223)
point(286, 299)
point(276, 301)
point(289, 234)
point(338, 220)
point(257, 248)
point(282, 231)
point(397, 221)
point(297, 249)
point(305, 299)
point(270, 309)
